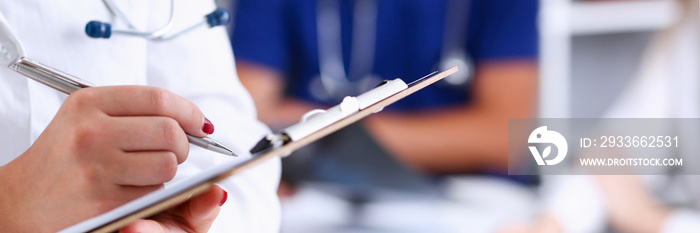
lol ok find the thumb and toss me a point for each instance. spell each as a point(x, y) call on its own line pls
point(143, 225)
point(207, 203)
point(195, 215)
point(203, 209)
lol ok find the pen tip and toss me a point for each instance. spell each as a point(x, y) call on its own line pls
point(218, 147)
point(226, 151)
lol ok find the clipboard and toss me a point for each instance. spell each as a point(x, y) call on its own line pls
point(179, 192)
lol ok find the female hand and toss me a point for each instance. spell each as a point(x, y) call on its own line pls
point(105, 147)
point(195, 215)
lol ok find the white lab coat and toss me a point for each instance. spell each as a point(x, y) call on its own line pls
point(198, 66)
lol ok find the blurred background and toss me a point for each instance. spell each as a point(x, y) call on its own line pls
point(525, 58)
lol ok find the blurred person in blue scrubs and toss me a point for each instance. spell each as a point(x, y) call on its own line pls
point(295, 56)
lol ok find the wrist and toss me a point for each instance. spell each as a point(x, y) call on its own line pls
point(11, 220)
point(20, 199)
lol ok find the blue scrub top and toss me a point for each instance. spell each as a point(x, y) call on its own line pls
point(282, 35)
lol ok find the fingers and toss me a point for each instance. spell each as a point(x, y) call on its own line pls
point(195, 215)
point(204, 208)
point(144, 101)
point(137, 134)
point(143, 225)
point(143, 168)
point(150, 148)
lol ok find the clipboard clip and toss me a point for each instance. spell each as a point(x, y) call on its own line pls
point(318, 119)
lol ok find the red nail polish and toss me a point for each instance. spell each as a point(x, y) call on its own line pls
point(208, 127)
point(223, 200)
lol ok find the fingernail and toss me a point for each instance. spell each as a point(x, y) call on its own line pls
point(223, 199)
point(208, 127)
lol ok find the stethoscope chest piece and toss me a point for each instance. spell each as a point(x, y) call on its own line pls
point(97, 29)
point(465, 64)
point(333, 82)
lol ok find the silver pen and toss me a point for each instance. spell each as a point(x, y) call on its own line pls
point(67, 83)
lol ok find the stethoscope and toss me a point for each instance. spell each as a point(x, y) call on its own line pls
point(333, 83)
point(97, 29)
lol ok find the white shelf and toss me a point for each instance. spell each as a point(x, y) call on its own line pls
point(621, 16)
point(561, 20)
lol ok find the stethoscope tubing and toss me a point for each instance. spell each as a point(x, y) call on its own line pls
point(333, 77)
point(97, 29)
